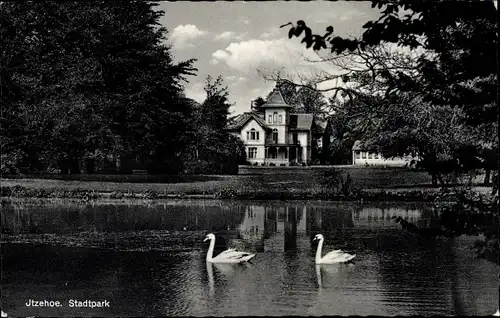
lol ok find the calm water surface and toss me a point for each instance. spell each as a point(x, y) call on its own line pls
point(148, 259)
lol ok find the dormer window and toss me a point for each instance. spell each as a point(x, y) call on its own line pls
point(275, 117)
point(280, 120)
point(270, 120)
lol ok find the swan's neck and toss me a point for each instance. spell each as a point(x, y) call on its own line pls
point(210, 250)
point(318, 251)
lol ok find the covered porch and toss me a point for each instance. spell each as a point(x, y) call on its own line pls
point(283, 155)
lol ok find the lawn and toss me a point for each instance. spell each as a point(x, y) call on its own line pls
point(285, 179)
point(304, 181)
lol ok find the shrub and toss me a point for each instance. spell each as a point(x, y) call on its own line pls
point(150, 194)
point(226, 193)
point(337, 181)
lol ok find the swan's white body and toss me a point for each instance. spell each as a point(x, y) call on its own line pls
point(230, 256)
point(497, 314)
point(333, 257)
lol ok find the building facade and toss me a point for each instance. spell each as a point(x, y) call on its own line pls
point(360, 156)
point(276, 137)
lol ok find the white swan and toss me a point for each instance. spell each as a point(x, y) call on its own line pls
point(228, 256)
point(497, 314)
point(333, 257)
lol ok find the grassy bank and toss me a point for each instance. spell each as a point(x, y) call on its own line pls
point(373, 184)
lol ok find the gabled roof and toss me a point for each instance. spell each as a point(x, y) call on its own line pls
point(301, 121)
point(244, 118)
point(275, 100)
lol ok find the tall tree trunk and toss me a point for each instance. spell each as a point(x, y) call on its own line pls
point(64, 166)
point(434, 179)
point(74, 166)
point(90, 165)
point(487, 176)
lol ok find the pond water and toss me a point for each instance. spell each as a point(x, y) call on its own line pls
point(148, 259)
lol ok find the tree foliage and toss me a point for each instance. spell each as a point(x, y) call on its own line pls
point(215, 150)
point(90, 82)
point(257, 105)
point(389, 81)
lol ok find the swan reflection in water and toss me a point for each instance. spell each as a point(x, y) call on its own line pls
point(333, 271)
point(226, 271)
point(329, 277)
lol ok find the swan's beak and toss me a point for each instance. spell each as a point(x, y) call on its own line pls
point(314, 239)
point(206, 239)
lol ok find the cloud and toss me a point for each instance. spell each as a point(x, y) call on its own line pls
point(235, 79)
point(228, 35)
point(248, 56)
point(183, 35)
point(196, 92)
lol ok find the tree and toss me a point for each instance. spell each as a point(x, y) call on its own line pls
point(466, 39)
point(84, 85)
point(390, 117)
point(257, 105)
point(215, 150)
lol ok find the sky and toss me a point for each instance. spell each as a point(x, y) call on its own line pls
point(235, 39)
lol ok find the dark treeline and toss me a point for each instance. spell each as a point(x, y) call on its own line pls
point(91, 87)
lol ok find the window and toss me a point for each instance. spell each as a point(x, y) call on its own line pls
point(252, 153)
point(280, 119)
point(363, 155)
point(370, 155)
point(252, 134)
point(295, 138)
point(270, 119)
point(358, 154)
point(275, 136)
point(274, 117)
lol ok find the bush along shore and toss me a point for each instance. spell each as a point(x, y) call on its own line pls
point(414, 195)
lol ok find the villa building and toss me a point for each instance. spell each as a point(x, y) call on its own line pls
point(277, 137)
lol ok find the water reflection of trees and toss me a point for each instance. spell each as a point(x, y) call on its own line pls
point(68, 217)
point(256, 226)
point(277, 226)
point(415, 274)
